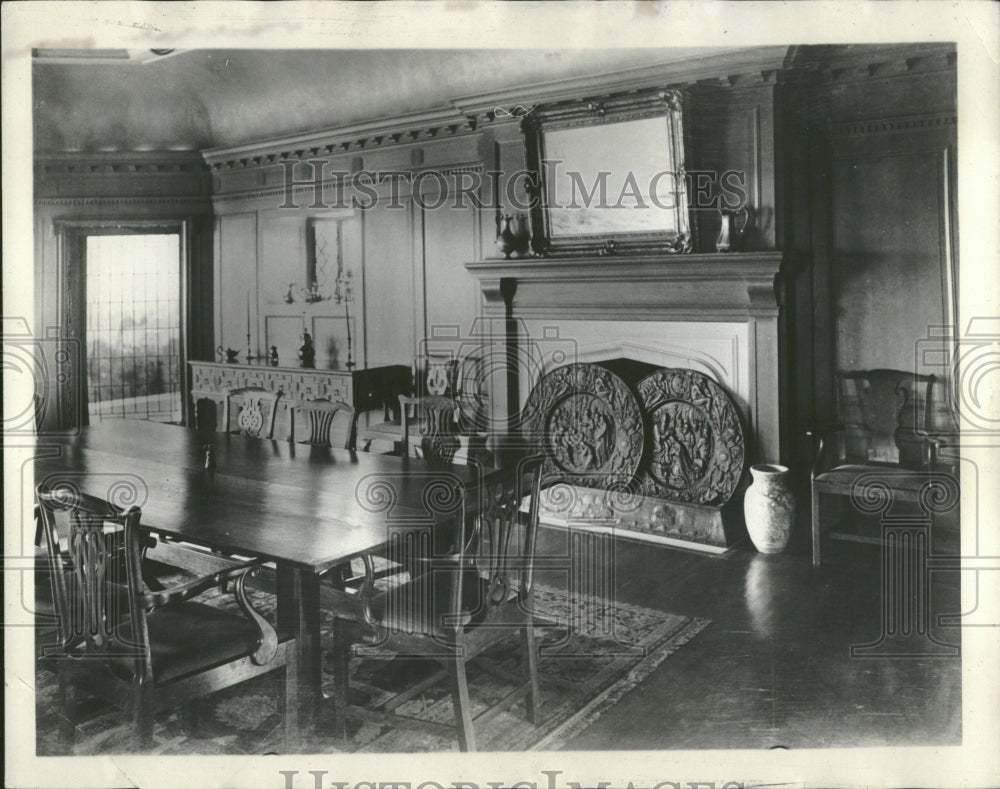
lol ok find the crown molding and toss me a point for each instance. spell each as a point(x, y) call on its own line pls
point(118, 162)
point(897, 125)
point(756, 62)
point(866, 61)
point(411, 128)
point(198, 203)
point(470, 113)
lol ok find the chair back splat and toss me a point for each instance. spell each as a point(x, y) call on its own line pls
point(323, 422)
point(96, 579)
point(438, 420)
point(253, 410)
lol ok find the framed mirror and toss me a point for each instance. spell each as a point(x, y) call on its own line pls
point(608, 175)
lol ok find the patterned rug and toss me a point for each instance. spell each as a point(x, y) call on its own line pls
point(591, 653)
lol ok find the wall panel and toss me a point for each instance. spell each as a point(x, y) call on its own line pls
point(237, 279)
point(451, 293)
point(389, 285)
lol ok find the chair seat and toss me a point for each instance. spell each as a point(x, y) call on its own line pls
point(901, 479)
point(189, 637)
point(421, 604)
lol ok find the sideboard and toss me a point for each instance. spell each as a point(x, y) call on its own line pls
point(366, 390)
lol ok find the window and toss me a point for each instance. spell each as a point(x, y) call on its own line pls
point(133, 327)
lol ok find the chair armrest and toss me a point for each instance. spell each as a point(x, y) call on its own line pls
point(267, 636)
point(827, 452)
point(358, 605)
point(935, 442)
point(159, 598)
point(821, 429)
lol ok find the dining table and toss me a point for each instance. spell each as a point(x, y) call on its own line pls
point(308, 509)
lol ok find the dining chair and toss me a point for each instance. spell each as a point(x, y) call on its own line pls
point(890, 430)
point(115, 633)
point(254, 409)
point(437, 417)
point(478, 591)
point(322, 422)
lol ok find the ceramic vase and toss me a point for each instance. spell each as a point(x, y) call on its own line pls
point(769, 507)
point(511, 238)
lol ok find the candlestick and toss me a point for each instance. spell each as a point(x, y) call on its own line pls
point(249, 351)
point(347, 314)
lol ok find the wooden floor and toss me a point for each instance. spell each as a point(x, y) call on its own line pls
point(774, 669)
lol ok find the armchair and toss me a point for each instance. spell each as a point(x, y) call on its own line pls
point(889, 427)
point(159, 646)
point(477, 590)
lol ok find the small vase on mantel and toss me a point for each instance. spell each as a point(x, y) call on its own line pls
point(769, 508)
point(512, 238)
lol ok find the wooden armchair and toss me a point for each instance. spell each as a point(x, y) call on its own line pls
point(477, 589)
point(254, 409)
point(159, 647)
point(438, 420)
point(887, 427)
point(325, 423)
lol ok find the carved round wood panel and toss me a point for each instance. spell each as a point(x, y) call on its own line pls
point(587, 423)
point(697, 448)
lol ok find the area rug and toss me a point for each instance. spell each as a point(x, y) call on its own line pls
point(591, 653)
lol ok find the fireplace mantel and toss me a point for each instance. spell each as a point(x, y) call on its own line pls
point(714, 312)
point(688, 287)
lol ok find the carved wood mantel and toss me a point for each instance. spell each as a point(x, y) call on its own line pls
point(698, 287)
point(730, 288)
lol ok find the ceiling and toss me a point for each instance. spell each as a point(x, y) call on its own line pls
point(198, 99)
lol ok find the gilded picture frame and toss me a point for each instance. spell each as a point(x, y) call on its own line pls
point(607, 176)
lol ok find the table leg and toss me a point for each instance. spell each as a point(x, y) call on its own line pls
point(298, 613)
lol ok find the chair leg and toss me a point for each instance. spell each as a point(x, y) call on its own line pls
point(341, 679)
point(815, 526)
point(530, 658)
point(461, 704)
point(67, 697)
point(291, 702)
point(190, 717)
point(143, 713)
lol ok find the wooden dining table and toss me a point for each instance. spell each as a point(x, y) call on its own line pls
point(306, 509)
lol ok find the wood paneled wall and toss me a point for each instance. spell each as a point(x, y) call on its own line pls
point(849, 170)
point(866, 184)
point(405, 244)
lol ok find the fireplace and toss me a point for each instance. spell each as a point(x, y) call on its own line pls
point(713, 314)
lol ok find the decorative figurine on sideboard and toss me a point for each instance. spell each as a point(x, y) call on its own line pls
point(273, 358)
point(228, 355)
point(307, 351)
